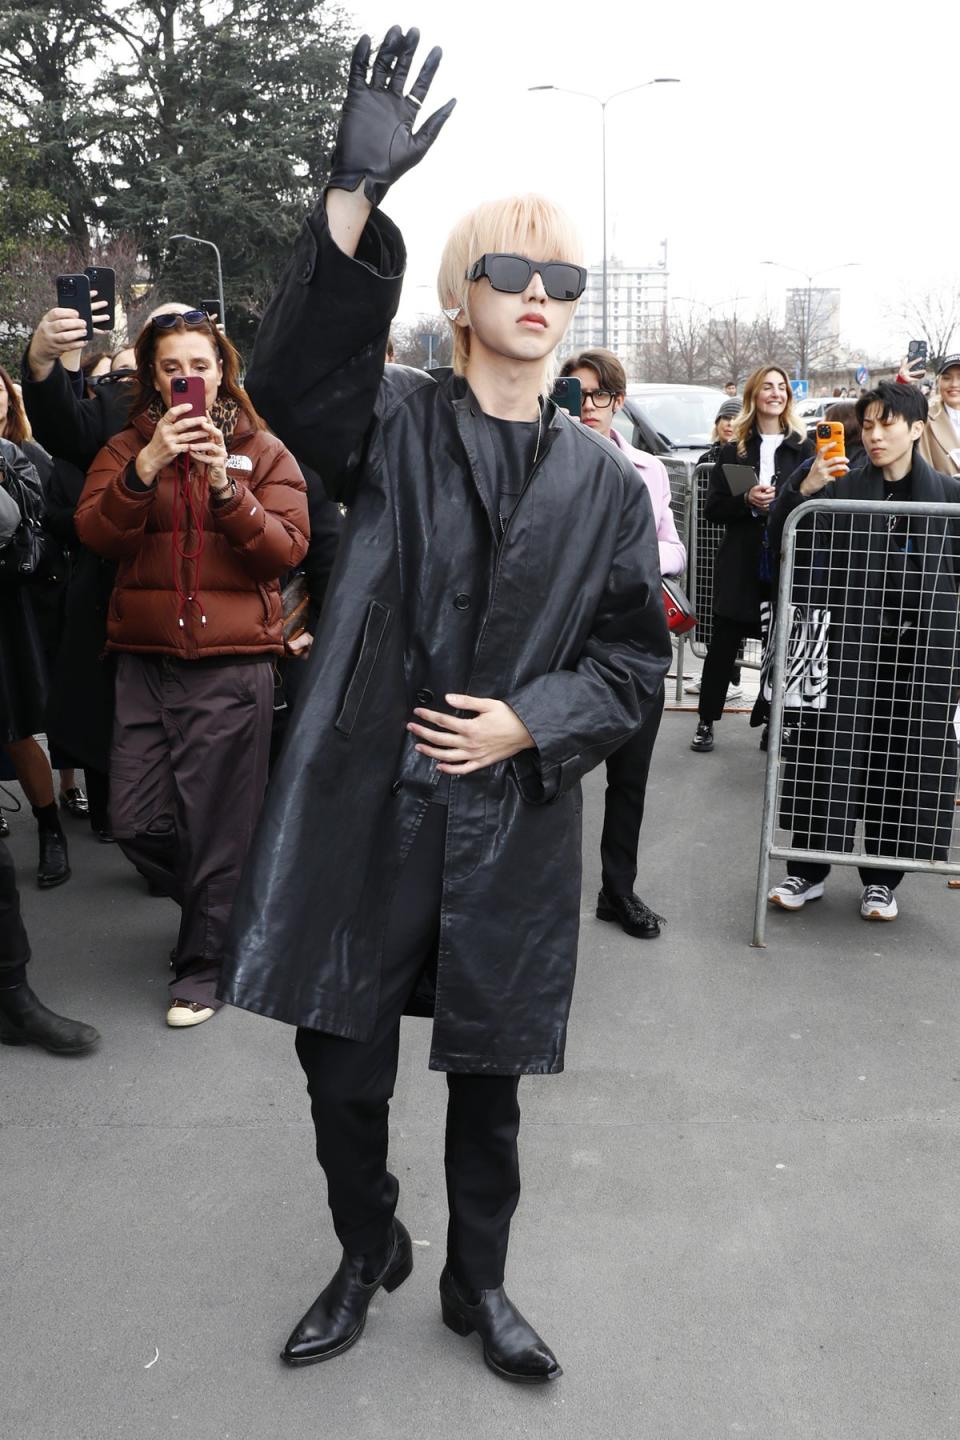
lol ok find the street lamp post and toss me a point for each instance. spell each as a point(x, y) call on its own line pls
point(195, 239)
point(804, 355)
point(603, 103)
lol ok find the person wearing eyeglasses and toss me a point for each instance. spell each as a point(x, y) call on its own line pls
point(492, 630)
point(202, 510)
point(603, 389)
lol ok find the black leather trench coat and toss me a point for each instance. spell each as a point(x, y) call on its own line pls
point(562, 618)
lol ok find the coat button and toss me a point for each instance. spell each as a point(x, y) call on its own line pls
point(461, 601)
point(396, 787)
point(425, 697)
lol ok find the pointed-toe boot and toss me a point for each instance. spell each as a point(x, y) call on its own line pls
point(336, 1318)
point(511, 1347)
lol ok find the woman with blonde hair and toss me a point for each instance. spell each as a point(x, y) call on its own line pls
point(771, 440)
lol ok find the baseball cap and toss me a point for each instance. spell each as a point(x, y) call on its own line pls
point(946, 362)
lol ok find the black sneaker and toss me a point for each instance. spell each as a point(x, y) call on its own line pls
point(631, 914)
point(702, 742)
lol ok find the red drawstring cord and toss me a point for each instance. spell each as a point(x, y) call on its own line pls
point(186, 506)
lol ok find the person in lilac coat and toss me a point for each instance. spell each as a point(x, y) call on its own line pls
point(603, 384)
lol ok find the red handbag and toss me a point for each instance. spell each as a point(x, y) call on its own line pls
point(680, 617)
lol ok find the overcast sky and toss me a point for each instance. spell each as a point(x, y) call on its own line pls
point(813, 137)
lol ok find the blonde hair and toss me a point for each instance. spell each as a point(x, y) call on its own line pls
point(520, 224)
point(746, 422)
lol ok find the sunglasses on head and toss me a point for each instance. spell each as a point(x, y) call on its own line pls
point(513, 273)
point(169, 318)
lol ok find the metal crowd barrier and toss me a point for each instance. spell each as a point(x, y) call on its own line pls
point(679, 473)
point(702, 550)
point(863, 749)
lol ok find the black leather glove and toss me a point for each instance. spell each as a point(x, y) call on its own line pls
point(375, 142)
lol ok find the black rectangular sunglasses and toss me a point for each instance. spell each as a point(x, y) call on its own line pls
point(513, 273)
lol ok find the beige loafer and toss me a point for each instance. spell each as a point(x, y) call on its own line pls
point(188, 1012)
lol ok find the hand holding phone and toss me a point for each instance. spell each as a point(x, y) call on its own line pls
point(189, 390)
point(914, 365)
point(73, 293)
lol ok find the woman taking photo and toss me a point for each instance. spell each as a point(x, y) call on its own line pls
point(203, 513)
point(771, 440)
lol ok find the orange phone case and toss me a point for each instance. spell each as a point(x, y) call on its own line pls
point(834, 445)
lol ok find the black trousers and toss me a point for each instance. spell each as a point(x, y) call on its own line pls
point(627, 772)
point(815, 871)
point(719, 666)
point(14, 946)
point(351, 1083)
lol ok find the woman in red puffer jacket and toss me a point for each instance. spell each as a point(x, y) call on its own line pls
point(203, 514)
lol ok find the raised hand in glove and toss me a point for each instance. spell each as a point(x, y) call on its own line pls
point(375, 142)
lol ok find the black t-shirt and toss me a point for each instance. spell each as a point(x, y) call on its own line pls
point(904, 588)
point(509, 456)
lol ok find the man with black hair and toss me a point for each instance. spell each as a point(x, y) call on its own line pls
point(882, 749)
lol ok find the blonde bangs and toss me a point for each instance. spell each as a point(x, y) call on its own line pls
point(522, 224)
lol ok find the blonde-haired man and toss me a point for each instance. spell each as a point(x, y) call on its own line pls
point(490, 633)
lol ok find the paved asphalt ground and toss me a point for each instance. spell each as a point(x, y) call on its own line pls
point(740, 1214)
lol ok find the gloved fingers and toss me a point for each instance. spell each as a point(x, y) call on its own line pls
point(401, 70)
point(390, 46)
point(432, 126)
point(418, 91)
point(359, 63)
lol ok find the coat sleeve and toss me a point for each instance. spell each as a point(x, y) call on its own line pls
point(318, 361)
point(673, 552)
point(111, 519)
point(578, 717)
point(266, 523)
point(67, 425)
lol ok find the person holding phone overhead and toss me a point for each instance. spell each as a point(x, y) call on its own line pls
point(771, 441)
point(491, 632)
point(202, 511)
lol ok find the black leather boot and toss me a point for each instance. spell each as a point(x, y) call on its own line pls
point(25, 1021)
point(511, 1347)
point(54, 866)
point(336, 1318)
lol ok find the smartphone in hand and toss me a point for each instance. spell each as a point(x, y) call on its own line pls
point(917, 357)
point(211, 308)
point(831, 440)
point(73, 293)
point(189, 389)
point(104, 281)
point(566, 395)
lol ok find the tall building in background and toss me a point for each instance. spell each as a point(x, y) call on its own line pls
point(636, 303)
point(815, 313)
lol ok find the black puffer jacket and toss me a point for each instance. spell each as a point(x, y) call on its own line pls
point(563, 619)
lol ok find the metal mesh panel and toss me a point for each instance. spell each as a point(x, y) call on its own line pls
point(863, 753)
point(704, 543)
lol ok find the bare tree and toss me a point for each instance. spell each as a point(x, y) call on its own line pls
point(687, 338)
point(932, 314)
point(810, 331)
point(767, 341)
point(425, 344)
point(728, 348)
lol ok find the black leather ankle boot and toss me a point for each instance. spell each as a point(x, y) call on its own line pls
point(511, 1347)
point(336, 1318)
point(54, 865)
point(25, 1021)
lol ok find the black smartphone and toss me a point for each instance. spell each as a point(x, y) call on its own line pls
point(211, 308)
point(917, 353)
point(104, 281)
point(73, 293)
point(566, 394)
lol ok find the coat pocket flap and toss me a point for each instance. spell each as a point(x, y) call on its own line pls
point(374, 629)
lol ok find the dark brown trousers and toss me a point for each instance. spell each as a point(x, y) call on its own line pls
point(188, 768)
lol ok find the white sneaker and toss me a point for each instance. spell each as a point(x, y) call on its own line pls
point(694, 689)
point(734, 692)
point(878, 902)
point(794, 892)
point(183, 1013)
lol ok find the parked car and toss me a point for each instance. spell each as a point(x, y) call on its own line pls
point(670, 419)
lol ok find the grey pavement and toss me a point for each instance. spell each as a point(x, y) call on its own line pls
point(740, 1211)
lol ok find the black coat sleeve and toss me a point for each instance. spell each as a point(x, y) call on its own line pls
point(63, 423)
point(578, 717)
point(721, 507)
point(318, 360)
